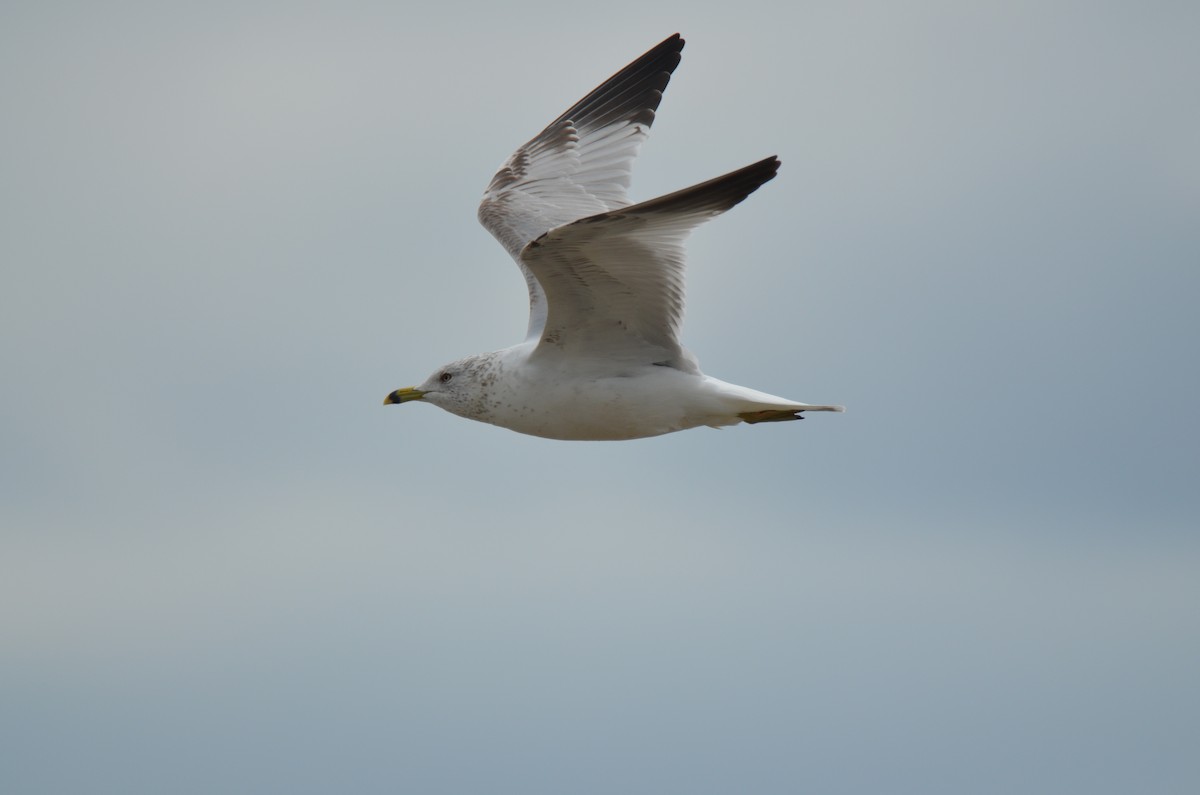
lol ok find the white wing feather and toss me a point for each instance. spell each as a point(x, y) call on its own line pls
point(615, 281)
point(605, 278)
point(579, 165)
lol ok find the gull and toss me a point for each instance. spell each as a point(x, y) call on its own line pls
point(601, 359)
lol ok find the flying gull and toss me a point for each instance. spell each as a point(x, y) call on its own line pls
point(602, 357)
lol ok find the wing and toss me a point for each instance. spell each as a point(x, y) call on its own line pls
point(614, 281)
point(579, 165)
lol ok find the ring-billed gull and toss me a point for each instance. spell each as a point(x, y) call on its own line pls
point(601, 358)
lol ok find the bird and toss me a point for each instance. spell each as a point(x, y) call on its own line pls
point(601, 359)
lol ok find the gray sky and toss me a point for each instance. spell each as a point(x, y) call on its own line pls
point(228, 230)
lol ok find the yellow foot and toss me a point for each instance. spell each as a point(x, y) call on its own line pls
point(770, 415)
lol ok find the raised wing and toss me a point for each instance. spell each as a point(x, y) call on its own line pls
point(579, 165)
point(615, 280)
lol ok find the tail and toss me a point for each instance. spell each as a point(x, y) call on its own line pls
point(783, 415)
point(752, 407)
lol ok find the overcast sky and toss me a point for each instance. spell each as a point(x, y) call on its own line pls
point(228, 230)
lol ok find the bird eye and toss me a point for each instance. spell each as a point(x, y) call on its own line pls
point(445, 377)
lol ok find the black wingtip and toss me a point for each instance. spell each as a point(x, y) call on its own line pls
point(718, 194)
point(768, 167)
point(634, 92)
point(675, 41)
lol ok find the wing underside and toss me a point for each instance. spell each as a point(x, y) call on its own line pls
point(579, 165)
point(615, 281)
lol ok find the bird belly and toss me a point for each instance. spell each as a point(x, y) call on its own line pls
point(649, 402)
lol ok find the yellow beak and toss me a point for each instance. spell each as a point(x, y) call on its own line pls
point(404, 395)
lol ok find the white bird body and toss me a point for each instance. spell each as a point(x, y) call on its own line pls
point(602, 357)
point(599, 400)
